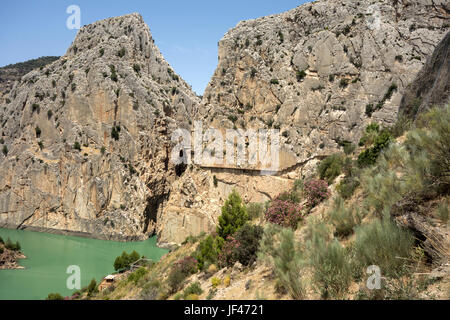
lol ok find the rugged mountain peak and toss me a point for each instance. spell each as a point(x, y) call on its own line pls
point(323, 71)
point(86, 139)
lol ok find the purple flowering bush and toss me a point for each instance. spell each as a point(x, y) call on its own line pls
point(316, 191)
point(284, 213)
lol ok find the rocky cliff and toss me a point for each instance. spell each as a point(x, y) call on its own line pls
point(86, 139)
point(319, 73)
point(432, 85)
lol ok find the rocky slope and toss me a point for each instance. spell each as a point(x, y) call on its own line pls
point(323, 71)
point(432, 85)
point(86, 139)
point(319, 73)
point(11, 73)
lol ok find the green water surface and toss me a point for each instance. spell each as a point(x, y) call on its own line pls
point(49, 256)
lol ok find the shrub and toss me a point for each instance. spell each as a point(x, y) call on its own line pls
point(215, 282)
point(343, 219)
point(1, 240)
point(279, 250)
point(369, 156)
point(346, 188)
point(242, 247)
point(5, 150)
point(115, 132)
point(208, 251)
point(330, 168)
point(92, 287)
point(137, 275)
point(301, 75)
point(12, 246)
point(54, 296)
point(384, 244)
point(77, 146)
point(49, 114)
point(125, 260)
point(316, 191)
point(234, 215)
point(215, 181)
point(255, 210)
point(330, 265)
point(284, 213)
point(442, 211)
point(38, 131)
point(193, 289)
point(274, 81)
point(121, 52)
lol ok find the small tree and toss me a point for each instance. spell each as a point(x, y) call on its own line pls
point(234, 215)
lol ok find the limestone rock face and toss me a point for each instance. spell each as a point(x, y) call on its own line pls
point(86, 140)
point(323, 71)
point(432, 85)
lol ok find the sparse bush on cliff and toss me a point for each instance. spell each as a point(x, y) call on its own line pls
point(330, 167)
point(208, 251)
point(316, 191)
point(92, 287)
point(193, 291)
point(15, 246)
point(370, 155)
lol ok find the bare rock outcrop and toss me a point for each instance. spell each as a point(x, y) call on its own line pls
point(86, 140)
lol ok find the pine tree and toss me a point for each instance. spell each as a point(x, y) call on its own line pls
point(234, 215)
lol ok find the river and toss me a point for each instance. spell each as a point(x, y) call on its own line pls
point(49, 256)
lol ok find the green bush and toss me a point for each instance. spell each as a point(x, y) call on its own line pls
point(384, 244)
point(180, 271)
point(125, 260)
point(301, 75)
point(442, 211)
point(331, 268)
point(207, 251)
point(92, 287)
point(77, 146)
point(194, 288)
point(1, 240)
point(137, 275)
point(5, 150)
point(346, 188)
point(330, 168)
point(369, 156)
point(234, 215)
point(54, 296)
point(38, 131)
point(115, 132)
point(343, 219)
point(279, 250)
point(12, 246)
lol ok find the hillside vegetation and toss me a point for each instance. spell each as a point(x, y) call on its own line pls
point(326, 242)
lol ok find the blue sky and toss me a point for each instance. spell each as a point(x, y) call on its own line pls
point(186, 32)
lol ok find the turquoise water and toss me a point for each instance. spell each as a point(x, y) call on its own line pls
point(49, 256)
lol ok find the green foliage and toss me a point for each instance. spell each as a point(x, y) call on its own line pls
point(92, 287)
point(343, 218)
point(384, 244)
point(255, 210)
point(54, 296)
point(330, 167)
point(207, 251)
point(215, 181)
point(121, 53)
point(279, 250)
point(113, 76)
point(12, 246)
point(370, 155)
point(274, 81)
point(234, 215)
point(194, 288)
point(38, 131)
point(301, 75)
point(331, 268)
point(5, 150)
point(244, 245)
point(77, 146)
point(1, 240)
point(115, 132)
point(137, 275)
point(125, 260)
point(49, 114)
